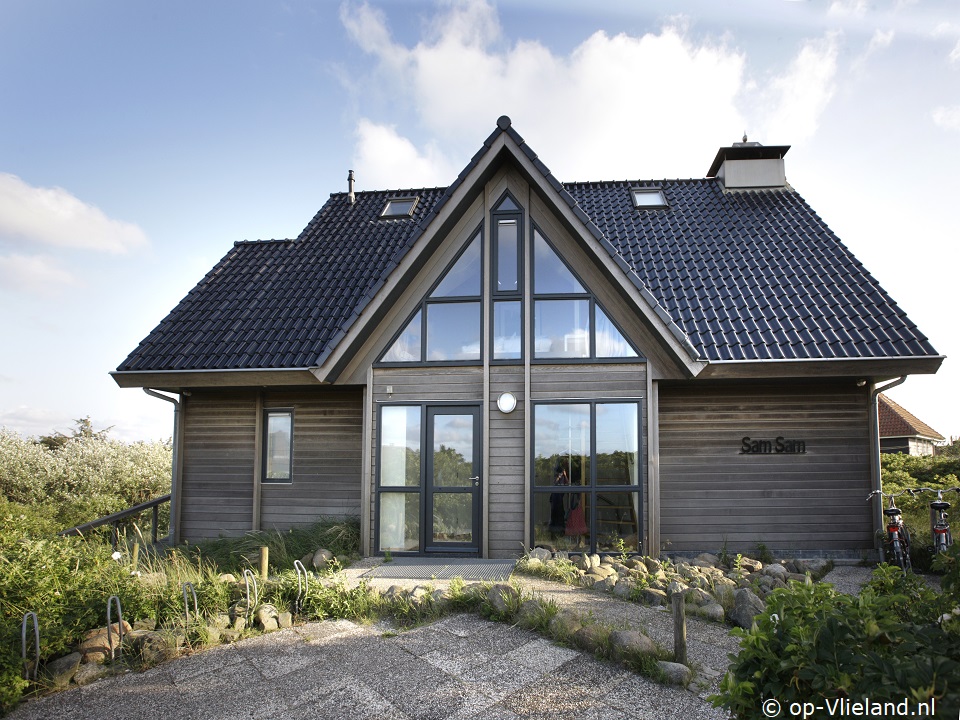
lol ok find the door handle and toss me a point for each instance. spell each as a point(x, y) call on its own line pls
point(476, 481)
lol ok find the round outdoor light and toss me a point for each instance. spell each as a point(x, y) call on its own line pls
point(507, 402)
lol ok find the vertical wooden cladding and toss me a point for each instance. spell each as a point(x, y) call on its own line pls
point(504, 475)
point(327, 456)
point(218, 451)
point(218, 461)
point(713, 495)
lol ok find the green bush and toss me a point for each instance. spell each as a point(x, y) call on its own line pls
point(814, 644)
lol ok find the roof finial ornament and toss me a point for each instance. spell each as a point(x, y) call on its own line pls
point(744, 136)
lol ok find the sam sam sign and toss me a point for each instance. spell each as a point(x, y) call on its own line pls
point(779, 445)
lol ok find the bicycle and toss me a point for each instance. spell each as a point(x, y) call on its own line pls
point(898, 538)
point(939, 527)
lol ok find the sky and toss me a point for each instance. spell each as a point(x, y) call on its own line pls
point(139, 140)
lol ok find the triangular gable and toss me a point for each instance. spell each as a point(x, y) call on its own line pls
point(506, 145)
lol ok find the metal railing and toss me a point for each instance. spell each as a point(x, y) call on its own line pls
point(118, 517)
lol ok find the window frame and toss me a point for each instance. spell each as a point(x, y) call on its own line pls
point(413, 199)
point(267, 413)
point(593, 489)
point(635, 192)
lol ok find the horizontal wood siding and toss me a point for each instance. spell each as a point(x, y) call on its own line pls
point(218, 449)
point(327, 457)
point(713, 495)
point(505, 474)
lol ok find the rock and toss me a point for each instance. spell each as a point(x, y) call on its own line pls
point(817, 567)
point(564, 625)
point(229, 636)
point(213, 635)
point(91, 672)
point(675, 587)
point(653, 565)
point(746, 606)
point(624, 589)
point(712, 611)
point(503, 598)
point(638, 565)
point(227, 578)
point(594, 560)
point(589, 637)
point(607, 560)
point(60, 672)
point(145, 624)
point(607, 584)
point(148, 646)
point(724, 593)
point(533, 563)
point(321, 558)
point(530, 613)
point(285, 620)
point(626, 643)
point(796, 577)
point(266, 618)
point(675, 673)
point(541, 554)
point(686, 571)
point(589, 579)
point(652, 596)
point(776, 571)
point(99, 646)
point(221, 621)
point(603, 571)
point(706, 560)
point(696, 596)
point(750, 565)
point(239, 624)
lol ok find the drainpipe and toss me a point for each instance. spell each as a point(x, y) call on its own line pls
point(175, 471)
point(878, 522)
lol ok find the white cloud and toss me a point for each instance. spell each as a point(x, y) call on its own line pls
point(38, 275)
point(947, 117)
point(385, 159)
point(618, 106)
point(881, 40)
point(802, 93)
point(856, 8)
point(54, 217)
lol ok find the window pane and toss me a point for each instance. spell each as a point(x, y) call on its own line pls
point(506, 204)
point(396, 208)
point(618, 518)
point(561, 520)
point(453, 331)
point(507, 256)
point(452, 450)
point(550, 275)
point(610, 342)
point(453, 517)
point(617, 444)
point(407, 347)
point(649, 198)
point(400, 522)
point(400, 446)
point(561, 445)
point(507, 343)
point(279, 432)
point(561, 329)
point(463, 278)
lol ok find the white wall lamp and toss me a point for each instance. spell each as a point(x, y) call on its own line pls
point(507, 402)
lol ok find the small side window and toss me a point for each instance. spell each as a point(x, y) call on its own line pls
point(278, 446)
point(399, 207)
point(648, 198)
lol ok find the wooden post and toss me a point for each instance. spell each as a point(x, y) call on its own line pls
point(136, 554)
point(264, 561)
point(679, 629)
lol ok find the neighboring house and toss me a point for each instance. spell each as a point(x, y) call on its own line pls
point(902, 432)
point(513, 360)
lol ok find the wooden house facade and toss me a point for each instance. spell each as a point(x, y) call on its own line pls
point(513, 361)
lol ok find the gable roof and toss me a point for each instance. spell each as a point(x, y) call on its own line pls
point(896, 422)
point(748, 275)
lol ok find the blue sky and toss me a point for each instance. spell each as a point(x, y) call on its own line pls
point(139, 140)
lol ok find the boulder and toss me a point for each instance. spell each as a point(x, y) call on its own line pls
point(503, 598)
point(61, 671)
point(653, 565)
point(321, 558)
point(624, 589)
point(91, 672)
point(227, 578)
point(530, 613)
point(589, 638)
point(541, 554)
point(285, 619)
point(712, 611)
point(627, 643)
point(696, 596)
point(638, 565)
point(676, 587)
point(706, 560)
point(607, 584)
point(746, 606)
point(652, 596)
point(148, 646)
point(603, 571)
point(750, 565)
point(99, 646)
point(675, 673)
point(564, 624)
point(266, 618)
point(776, 571)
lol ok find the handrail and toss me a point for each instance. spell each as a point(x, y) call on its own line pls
point(116, 517)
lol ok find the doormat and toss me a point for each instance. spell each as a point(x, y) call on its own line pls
point(443, 569)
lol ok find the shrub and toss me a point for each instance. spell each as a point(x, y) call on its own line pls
point(814, 644)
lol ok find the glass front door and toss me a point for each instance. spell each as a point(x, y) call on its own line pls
point(452, 480)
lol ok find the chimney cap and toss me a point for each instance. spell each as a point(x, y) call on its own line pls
point(746, 151)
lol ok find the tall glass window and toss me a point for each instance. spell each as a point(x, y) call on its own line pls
point(587, 478)
point(508, 255)
point(278, 446)
point(399, 497)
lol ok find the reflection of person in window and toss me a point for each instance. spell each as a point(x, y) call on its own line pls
point(576, 524)
point(559, 501)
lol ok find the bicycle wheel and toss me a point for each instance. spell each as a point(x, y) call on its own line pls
point(905, 542)
point(895, 552)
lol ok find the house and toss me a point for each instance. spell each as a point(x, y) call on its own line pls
point(513, 361)
point(902, 432)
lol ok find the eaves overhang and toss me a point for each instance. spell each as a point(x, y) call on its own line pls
point(874, 368)
point(174, 380)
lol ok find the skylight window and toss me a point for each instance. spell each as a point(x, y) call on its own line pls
point(399, 207)
point(648, 198)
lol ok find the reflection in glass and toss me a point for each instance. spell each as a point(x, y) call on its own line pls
point(463, 279)
point(561, 328)
point(561, 445)
point(279, 431)
point(508, 271)
point(617, 444)
point(453, 331)
point(561, 520)
point(400, 446)
point(507, 341)
point(453, 517)
point(407, 347)
point(452, 450)
point(550, 274)
point(610, 341)
point(618, 516)
point(400, 521)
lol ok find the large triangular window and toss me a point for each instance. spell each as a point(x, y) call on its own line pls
point(568, 322)
point(446, 327)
